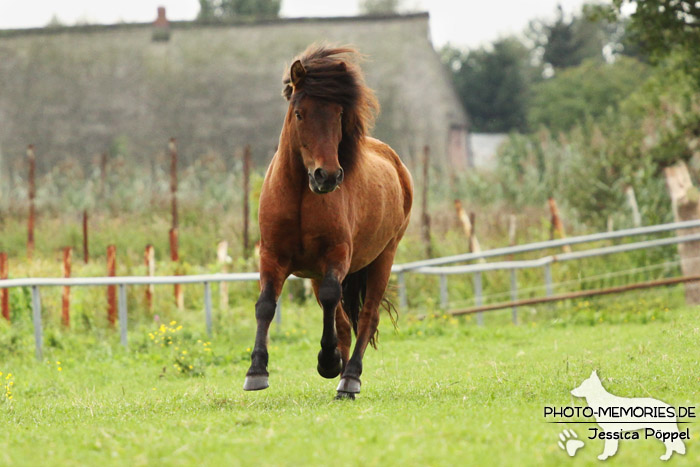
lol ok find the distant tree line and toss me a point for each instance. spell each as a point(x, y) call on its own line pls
point(557, 73)
point(212, 10)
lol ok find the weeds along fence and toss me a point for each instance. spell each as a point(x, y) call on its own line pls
point(435, 266)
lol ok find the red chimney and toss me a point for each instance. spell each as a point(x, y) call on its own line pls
point(161, 20)
point(161, 27)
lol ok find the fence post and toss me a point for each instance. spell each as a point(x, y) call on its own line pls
point(36, 318)
point(175, 257)
point(425, 217)
point(172, 148)
point(32, 194)
point(86, 251)
point(685, 202)
point(103, 175)
point(474, 246)
point(65, 302)
point(478, 297)
point(548, 280)
point(222, 257)
point(4, 293)
point(444, 298)
point(403, 299)
point(246, 196)
point(632, 201)
point(111, 289)
point(207, 308)
point(278, 313)
point(122, 315)
point(556, 226)
point(150, 259)
point(514, 294)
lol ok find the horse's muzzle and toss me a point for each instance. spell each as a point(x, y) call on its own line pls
point(321, 182)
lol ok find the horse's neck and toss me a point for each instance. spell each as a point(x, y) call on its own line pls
point(288, 172)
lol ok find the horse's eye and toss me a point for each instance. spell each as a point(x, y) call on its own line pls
point(298, 115)
point(341, 114)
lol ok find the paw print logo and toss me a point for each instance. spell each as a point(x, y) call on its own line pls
point(570, 442)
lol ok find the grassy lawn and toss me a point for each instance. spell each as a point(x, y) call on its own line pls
point(437, 392)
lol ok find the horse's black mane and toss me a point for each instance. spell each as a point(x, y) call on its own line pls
point(333, 75)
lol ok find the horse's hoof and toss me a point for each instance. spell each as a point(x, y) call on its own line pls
point(255, 383)
point(329, 368)
point(348, 384)
point(345, 395)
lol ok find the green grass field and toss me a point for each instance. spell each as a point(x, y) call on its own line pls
point(441, 391)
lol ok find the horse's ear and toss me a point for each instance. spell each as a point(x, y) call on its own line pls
point(342, 66)
point(297, 73)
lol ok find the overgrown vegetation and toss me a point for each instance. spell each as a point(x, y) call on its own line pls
point(600, 119)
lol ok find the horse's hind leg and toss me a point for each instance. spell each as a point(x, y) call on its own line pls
point(344, 330)
point(271, 281)
point(378, 273)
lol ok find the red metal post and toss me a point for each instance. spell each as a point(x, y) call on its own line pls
point(65, 315)
point(86, 251)
point(112, 289)
point(32, 194)
point(172, 147)
point(149, 257)
point(425, 217)
point(4, 293)
point(246, 200)
point(175, 257)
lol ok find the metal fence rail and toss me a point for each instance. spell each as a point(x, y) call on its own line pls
point(511, 250)
point(418, 267)
point(544, 262)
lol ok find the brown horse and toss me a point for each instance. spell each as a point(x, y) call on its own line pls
point(334, 205)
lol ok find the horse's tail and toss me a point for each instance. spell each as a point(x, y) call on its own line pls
point(354, 292)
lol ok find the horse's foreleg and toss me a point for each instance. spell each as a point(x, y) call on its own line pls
point(378, 273)
point(328, 291)
point(271, 281)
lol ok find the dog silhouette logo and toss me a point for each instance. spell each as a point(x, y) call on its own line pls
point(624, 417)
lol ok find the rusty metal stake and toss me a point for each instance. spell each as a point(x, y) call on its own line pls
point(4, 293)
point(112, 289)
point(65, 302)
point(32, 195)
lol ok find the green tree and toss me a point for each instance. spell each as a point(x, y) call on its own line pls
point(587, 91)
point(379, 7)
point(567, 42)
point(561, 46)
point(231, 9)
point(493, 84)
point(661, 27)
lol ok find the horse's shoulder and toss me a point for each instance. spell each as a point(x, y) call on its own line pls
point(384, 151)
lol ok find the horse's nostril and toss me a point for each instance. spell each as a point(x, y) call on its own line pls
point(320, 175)
point(339, 176)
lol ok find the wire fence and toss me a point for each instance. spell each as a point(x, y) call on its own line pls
point(427, 267)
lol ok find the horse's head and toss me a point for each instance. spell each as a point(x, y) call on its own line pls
point(316, 129)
